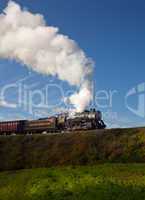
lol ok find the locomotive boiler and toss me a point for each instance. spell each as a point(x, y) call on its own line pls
point(89, 119)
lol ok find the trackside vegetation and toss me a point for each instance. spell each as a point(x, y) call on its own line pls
point(72, 149)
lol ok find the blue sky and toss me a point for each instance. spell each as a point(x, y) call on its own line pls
point(112, 33)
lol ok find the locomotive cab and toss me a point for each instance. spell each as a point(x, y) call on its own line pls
point(99, 122)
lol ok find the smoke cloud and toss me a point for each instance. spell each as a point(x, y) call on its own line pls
point(25, 37)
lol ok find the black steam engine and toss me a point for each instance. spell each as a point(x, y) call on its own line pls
point(87, 120)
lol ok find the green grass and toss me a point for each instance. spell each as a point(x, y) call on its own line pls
point(101, 182)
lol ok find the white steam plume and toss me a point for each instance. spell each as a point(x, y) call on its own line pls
point(25, 37)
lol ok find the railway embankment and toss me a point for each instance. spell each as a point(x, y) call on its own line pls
point(79, 148)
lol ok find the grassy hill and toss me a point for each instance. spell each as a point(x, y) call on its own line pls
point(102, 182)
point(80, 148)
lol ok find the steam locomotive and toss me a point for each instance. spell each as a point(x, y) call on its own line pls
point(87, 120)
